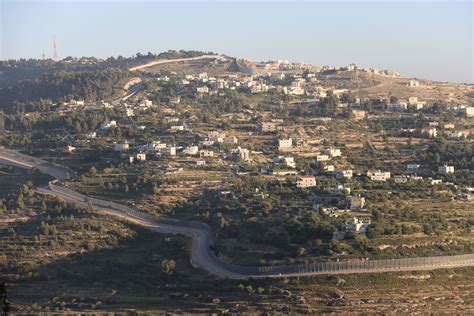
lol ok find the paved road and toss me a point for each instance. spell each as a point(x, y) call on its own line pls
point(132, 87)
point(203, 257)
point(17, 159)
point(167, 61)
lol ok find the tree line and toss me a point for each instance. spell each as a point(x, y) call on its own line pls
point(29, 95)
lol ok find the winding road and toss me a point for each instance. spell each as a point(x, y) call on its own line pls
point(201, 254)
point(177, 60)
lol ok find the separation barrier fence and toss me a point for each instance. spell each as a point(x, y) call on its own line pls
point(331, 267)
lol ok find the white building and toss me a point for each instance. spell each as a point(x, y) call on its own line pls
point(419, 105)
point(176, 128)
point(275, 76)
point(153, 147)
point(377, 175)
point(445, 169)
point(412, 100)
point(202, 89)
point(413, 167)
point(200, 162)
point(357, 203)
point(266, 127)
point(122, 147)
point(430, 131)
point(355, 225)
point(206, 143)
point(333, 152)
point(285, 161)
point(285, 143)
point(414, 83)
point(344, 174)
point(400, 179)
point(129, 112)
point(140, 156)
point(329, 168)
point(468, 111)
point(322, 158)
point(359, 114)
point(191, 150)
point(244, 154)
point(401, 106)
point(289, 161)
point(351, 67)
point(206, 153)
point(107, 124)
point(146, 104)
point(168, 151)
point(296, 91)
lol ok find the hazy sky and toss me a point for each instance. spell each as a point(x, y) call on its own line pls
point(427, 39)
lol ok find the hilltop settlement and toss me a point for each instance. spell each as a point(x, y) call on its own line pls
point(287, 162)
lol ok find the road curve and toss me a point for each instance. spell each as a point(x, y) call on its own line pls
point(167, 61)
point(201, 254)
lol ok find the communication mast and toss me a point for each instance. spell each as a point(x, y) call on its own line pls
point(55, 50)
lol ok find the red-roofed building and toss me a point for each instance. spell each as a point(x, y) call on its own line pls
point(306, 182)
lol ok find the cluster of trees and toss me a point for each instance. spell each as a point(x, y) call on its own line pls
point(381, 228)
point(458, 153)
point(85, 61)
point(25, 95)
point(326, 107)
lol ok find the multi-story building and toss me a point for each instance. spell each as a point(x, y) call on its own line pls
point(206, 153)
point(176, 128)
point(377, 175)
point(445, 169)
point(468, 111)
point(322, 158)
point(244, 154)
point(284, 161)
point(129, 112)
point(306, 182)
point(285, 143)
point(358, 114)
point(344, 174)
point(412, 100)
point(400, 179)
point(191, 150)
point(267, 127)
point(216, 136)
point(140, 156)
